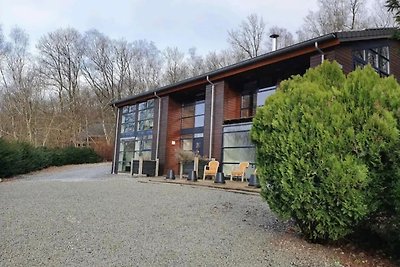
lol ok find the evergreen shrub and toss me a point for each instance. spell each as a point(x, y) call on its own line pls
point(327, 149)
point(18, 157)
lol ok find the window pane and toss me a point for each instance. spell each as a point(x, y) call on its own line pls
point(187, 144)
point(384, 65)
point(126, 146)
point(359, 54)
point(142, 105)
point(244, 113)
point(385, 52)
point(132, 108)
point(263, 95)
point(199, 108)
point(130, 117)
point(146, 155)
point(238, 127)
point(239, 154)
point(128, 128)
point(146, 144)
point(199, 121)
point(246, 101)
point(237, 139)
point(372, 58)
point(150, 103)
point(145, 125)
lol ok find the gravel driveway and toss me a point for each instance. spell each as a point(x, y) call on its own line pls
point(83, 216)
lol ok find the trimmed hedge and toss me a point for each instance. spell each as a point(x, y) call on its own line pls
point(328, 150)
point(18, 158)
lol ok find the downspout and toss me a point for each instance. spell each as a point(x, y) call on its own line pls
point(320, 51)
point(158, 128)
point(212, 116)
point(115, 142)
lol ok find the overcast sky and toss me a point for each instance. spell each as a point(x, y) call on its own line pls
point(183, 23)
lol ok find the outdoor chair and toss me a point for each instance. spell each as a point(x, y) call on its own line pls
point(211, 169)
point(240, 171)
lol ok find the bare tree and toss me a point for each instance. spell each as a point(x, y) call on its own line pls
point(98, 66)
point(60, 59)
point(333, 16)
point(285, 37)
point(195, 62)
point(146, 65)
point(381, 17)
point(175, 69)
point(248, 38)
point(21, 91)
point(215, 60)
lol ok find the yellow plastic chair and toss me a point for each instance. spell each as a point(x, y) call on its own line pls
point(211, 169)
point(240, 171)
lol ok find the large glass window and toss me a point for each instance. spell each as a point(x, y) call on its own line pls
point(136, 133)
point(237, 147)
point(253, 99)
point(377, 57)
point(192, 126)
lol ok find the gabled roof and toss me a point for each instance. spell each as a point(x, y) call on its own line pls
point(339, 37)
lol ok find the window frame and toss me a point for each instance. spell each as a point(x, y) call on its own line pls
point(361, 58)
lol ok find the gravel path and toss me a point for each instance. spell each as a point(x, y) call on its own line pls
point(83, 216)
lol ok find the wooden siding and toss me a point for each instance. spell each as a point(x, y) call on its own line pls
point(231, 103)
point(173, 129)
point(218, 120)
point(315, 59)
point(344, 56)
point(394, 58)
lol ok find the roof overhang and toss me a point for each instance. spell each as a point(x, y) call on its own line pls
point(296, 50)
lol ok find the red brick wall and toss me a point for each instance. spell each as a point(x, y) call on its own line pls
point(173, 134)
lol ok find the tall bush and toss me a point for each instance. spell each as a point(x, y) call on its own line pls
point(327, 149)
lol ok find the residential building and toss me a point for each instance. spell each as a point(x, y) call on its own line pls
point(212, 113)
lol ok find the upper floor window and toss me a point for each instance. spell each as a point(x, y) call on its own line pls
point(192, 126)
point(253, 99)
point(137, 118)
point(377, 57)
point(193, 115)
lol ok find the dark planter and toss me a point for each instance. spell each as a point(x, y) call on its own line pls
point(170, 175)
point(253, 181)
point(202, 163)
point(135, 166)
point(192, 176)
point(219, 178)
point(149, 167)
point(188, 166)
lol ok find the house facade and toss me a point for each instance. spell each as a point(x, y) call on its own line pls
point(211, 114)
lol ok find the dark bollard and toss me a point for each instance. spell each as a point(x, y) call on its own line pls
point(219, 178)
point(192, 176)
point(170, 175)
point(253, 181)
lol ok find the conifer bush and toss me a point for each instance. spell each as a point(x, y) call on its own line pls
point(19, 157)
point(327, 149)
